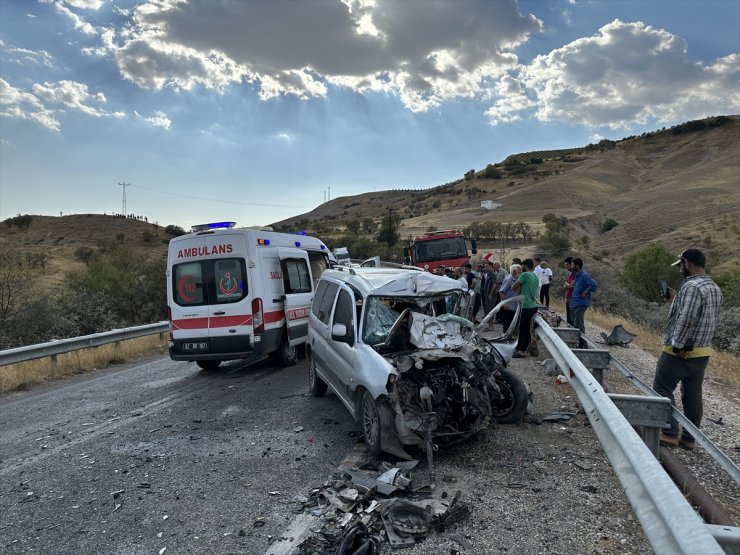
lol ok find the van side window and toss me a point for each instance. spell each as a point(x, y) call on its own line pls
point(296, 278)
point(188, 284)
point(343, 313)
point(323, 300)
point(318, 297)
point(319, 262)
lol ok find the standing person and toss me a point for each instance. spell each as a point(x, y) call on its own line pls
point(506, 292)
point(570, 278)
point(545, 277)
point(537, 270)
point(496, 278)
point(583, 286)
point(479, 279)
point(526, 284)
point(687, 342)
point(469, 275)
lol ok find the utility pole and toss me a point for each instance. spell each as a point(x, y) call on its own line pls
point(390, 230)
point(123, 206)
point(328, 196)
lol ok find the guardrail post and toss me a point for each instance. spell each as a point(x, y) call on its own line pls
point(649, 414)
point(53, 365)
point(596, 360)
point(570, 336)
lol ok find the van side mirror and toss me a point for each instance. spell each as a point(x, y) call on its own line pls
point(340, 333)
point(474, 246)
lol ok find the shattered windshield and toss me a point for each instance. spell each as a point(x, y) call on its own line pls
point(382, 312)
point(440, 249)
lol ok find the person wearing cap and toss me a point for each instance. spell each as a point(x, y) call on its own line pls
point(570, 278)
point(687, 342)
point(583, 286)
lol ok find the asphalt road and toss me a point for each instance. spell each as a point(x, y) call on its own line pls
point(159, 455)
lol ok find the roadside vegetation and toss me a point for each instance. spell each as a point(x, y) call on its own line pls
point(114, 286)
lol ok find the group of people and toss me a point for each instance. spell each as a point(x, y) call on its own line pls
point(687, 338)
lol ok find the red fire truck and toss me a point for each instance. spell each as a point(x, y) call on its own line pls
point(439, 248)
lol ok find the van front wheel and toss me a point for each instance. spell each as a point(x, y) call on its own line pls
point(286, 355)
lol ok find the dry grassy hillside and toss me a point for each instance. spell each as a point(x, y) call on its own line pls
point(678, 189)
point(59, 238)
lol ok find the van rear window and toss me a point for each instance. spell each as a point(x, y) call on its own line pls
point(205, 282)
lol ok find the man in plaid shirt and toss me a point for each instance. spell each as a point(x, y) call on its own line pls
point(687, 342)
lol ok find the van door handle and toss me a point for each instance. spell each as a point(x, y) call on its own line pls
point(219, 313)
point(277, 300)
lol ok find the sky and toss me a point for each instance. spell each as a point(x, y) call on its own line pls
point(254, 111)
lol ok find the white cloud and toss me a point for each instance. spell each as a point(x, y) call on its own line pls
point(85, 4)
point(79, 23)
point(23, 55)
point(74, 95)
point(626, 73)
point(425, 52)
point(48, 99)
point(17, 104)
point(159, 119)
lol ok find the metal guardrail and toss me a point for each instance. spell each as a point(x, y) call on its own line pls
point(723, 460)
point(53, 348)
point(668, 520)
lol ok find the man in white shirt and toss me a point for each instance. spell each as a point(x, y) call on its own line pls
point(545, 275)
point(536, 271)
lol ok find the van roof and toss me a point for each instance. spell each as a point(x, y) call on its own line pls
point(276, 238)
point(394, 282)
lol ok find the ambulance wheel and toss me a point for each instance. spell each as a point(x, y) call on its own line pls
point(316, 385)
point(209, 364)
point(286, 355)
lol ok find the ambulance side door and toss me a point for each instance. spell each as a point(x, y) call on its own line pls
point(298, 292)
point(230, 318)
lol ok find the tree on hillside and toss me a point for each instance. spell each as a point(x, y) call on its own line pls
point(353, 226)
point(368, 224)
point(16, 286)
point(388, 232)
point(644, 268)
point(133, 288)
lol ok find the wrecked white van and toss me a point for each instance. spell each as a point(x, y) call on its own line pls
point(390, 344)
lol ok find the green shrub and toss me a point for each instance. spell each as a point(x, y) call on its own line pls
point(21, 222)
point(643, 269)
point(608, 224)
point(492, 173)
point(729, 282)
point(174, 230)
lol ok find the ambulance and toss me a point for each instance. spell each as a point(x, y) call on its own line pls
point(238, 293)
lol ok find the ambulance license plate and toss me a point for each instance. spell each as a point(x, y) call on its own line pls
point(200, 346)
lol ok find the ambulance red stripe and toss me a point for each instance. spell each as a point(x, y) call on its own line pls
point(226, 321)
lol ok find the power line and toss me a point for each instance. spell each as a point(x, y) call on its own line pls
point(211, 199)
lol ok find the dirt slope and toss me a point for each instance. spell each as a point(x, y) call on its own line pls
point(678, 189)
